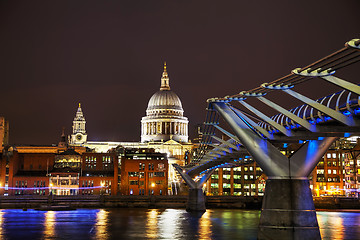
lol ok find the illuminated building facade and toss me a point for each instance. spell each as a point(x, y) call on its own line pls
point(78, 136)
point(144, 172)
point(59, 171)
point(352, 172)
point(328, 176)
point(247, 180)
point(164, 118)
point(164, 128)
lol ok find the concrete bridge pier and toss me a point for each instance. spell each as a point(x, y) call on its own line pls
point(196, 197)
point(288, 211)
point(196, 200)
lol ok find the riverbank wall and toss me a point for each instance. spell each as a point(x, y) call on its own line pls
point(231, 202)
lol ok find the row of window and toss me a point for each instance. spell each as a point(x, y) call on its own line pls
point(329, 171)
point(142, 183)
point(142, 174)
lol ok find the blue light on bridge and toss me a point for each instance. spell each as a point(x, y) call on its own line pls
point(327, 118)
point(357, 111)
point(347, 134)
point(285, 145)
point(319, 120)
point(320, 138)
point(301, 141)
point(347, 113)
point(311, 121)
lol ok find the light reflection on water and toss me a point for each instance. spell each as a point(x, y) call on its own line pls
point(155, 224)
point(339, 225)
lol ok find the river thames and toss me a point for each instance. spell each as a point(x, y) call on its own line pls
point(141, 223)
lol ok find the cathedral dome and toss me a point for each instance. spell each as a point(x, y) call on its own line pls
point(164, 118)
point(165, 100)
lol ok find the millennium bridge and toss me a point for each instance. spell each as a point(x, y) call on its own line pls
point(288, 210)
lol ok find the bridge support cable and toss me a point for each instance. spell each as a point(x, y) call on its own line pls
point(227, 143)
point(196, 197)
point(347, 120)
point(289, 114)
point(232, 136)
point(228, 150)
point(251, 123)
point(267, 119)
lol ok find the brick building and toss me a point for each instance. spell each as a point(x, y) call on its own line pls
point(144, 172)
point(57, 170)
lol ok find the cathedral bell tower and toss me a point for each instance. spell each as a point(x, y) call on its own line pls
point(78, 136)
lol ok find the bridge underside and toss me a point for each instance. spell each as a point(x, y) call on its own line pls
point(288, 210)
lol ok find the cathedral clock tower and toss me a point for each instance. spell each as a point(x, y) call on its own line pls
point(79, 136)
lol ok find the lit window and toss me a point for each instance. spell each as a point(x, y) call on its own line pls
point(245, 177)
point(329, 171)
point(334, 171)
point(334, 155)
point(328, 155)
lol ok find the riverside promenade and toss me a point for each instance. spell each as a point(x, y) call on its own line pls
point(134, 201)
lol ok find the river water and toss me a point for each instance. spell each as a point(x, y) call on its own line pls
point(144, 223)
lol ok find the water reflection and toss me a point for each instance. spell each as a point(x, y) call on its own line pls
point(155, 224)
point(339, 225)
point(101, 224)
point(50, 220)
point(170, 224)
point(151, 223)
point(205, 225)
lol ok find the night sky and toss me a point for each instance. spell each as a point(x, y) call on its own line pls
point(109, 56)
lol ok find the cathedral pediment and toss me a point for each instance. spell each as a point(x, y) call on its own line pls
point(171, 142)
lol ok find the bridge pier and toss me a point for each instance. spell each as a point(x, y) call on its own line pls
point(196, 200)
point(288, 211)
point(196, 197)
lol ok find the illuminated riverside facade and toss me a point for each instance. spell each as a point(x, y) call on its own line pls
point(247, 180)
point(73, 171)
point(144, 172)
point(58, 171)
point(336, 174)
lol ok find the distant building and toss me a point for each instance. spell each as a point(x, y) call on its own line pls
point(328, 176)
point(4, 132)
point(352, 172)
point(144, 172)
point(164, 118)
point(164, 128)
point(78, 136)
point(247, 180)
point(59, 171)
